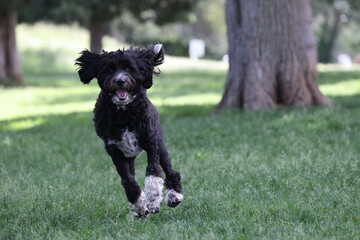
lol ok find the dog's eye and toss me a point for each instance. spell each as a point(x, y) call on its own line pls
point(111, 68)
point(127, 69)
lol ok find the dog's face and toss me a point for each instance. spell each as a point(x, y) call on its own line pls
point(121, 74)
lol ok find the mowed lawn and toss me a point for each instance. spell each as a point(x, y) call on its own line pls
point(283, 174)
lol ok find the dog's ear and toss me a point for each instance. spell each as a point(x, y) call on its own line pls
point(155, 54)
point(88, 64)
point(159, 52)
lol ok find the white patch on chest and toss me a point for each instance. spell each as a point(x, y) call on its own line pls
point(128, 144)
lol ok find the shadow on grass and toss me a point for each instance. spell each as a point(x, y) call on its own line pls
point(180, 111)
point(347, 102)
point(52, 79)
point(75, 98)
point(46, 61)
point(177, 84)
point(35, 123)
point(328, 77)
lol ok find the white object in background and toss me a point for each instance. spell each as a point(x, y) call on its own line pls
point(344, 60)
point(225, 58)
point(196, 48)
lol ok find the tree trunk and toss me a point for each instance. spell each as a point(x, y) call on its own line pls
point(272, 55)
point(328, 36)
point(10, 68)
point(3, 61)
point(96, 34)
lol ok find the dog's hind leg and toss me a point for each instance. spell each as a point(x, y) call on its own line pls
point(153, 183)
point(173, 190)
point(132, 189)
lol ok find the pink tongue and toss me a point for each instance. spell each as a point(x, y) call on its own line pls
point(121, 93)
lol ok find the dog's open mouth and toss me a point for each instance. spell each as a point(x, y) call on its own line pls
point(122, 94)
point(122, 97)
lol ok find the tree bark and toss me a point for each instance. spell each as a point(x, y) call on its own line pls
point(272, 55)
point(10, 68)
point(96, 35)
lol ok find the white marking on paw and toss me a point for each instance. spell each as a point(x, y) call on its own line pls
point(139, 207)
point(173, 198)
point(153, 191)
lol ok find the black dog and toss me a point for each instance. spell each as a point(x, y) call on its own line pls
point(128, 122)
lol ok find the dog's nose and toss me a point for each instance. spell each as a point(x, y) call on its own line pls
point(120, 82)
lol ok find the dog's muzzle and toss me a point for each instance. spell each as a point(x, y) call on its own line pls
point(122, 83)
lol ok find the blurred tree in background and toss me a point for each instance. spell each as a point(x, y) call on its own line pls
point(206, 21)
point(10, 69)
point(210, 26)
point(333, 17)
point(96, 15)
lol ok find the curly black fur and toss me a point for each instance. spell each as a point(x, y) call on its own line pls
point(124, 117)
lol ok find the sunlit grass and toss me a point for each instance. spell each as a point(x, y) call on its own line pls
point(23, 124)
point(337, 68)
point(34, 101)
point(348, 88)
point(337, 81)
point(181, 64)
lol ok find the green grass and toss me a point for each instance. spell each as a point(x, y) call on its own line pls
point(284, 174)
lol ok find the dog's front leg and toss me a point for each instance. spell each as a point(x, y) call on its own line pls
point(132, 189)
point(173, 191)
point(153, 181)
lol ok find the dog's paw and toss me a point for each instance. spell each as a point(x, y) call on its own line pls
point(153, 208)
point(173, 198)
point(153, 191)
point(139, 208)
